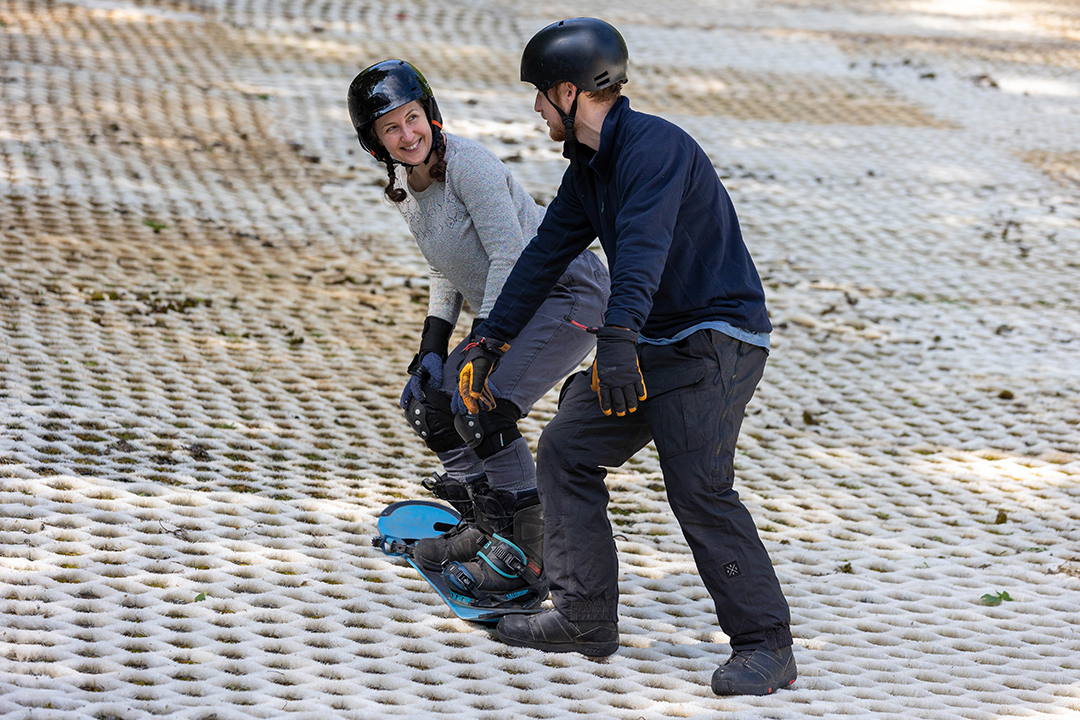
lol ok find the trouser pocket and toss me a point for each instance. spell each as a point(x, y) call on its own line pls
point(675, 384)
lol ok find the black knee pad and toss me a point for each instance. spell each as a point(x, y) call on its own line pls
point(496, 430)
point(432, 420)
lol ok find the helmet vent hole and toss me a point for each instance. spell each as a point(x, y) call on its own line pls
point(601, 79)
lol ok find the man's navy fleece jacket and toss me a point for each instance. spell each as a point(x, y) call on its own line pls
point(668, 228)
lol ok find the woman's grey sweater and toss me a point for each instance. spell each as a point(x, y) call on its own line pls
point(471, 228)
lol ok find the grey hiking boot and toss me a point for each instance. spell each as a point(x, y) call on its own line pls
point(550, 631)
point(755, 672)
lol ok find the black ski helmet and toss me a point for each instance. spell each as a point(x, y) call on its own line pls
point(587, 52)
point(383, 87)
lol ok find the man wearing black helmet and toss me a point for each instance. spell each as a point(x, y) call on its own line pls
point(683, 346)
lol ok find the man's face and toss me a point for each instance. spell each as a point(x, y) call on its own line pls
point(556, 129)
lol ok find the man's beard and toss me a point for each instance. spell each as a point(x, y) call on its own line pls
point(558, 132)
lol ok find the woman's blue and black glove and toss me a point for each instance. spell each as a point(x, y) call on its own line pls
point(616, 375)
point(426, 368)
point(426, 373)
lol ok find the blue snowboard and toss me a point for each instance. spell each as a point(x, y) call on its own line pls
point(403, 523)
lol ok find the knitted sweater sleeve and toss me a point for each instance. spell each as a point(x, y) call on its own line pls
point(443, 300)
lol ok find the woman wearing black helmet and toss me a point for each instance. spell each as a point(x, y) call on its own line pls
point(683, 347)
point(471, 220)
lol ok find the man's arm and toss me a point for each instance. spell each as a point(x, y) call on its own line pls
point(564, 233)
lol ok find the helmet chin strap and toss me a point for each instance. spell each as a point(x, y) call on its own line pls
point(570, 144)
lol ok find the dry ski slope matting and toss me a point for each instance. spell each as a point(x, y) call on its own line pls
point(206, 313)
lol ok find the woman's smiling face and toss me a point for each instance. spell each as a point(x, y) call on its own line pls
point(405, 133)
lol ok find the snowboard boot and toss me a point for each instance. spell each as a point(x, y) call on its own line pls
point(461, 543)
point(508, 568)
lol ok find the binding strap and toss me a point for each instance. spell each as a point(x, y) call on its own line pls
point(507, 559)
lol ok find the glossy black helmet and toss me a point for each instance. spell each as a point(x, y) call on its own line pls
point(383, 87)
point(587, 52)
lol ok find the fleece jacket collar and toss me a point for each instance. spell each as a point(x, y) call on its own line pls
point(602, 159)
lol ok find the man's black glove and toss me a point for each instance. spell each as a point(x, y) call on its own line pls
point(478, 361)
point(616, 375)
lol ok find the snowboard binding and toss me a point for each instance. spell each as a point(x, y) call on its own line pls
point(404, 523)
point(507, 567)
point(524, 582)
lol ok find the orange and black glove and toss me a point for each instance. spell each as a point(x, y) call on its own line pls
point(478, 361)
point(616, 375)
